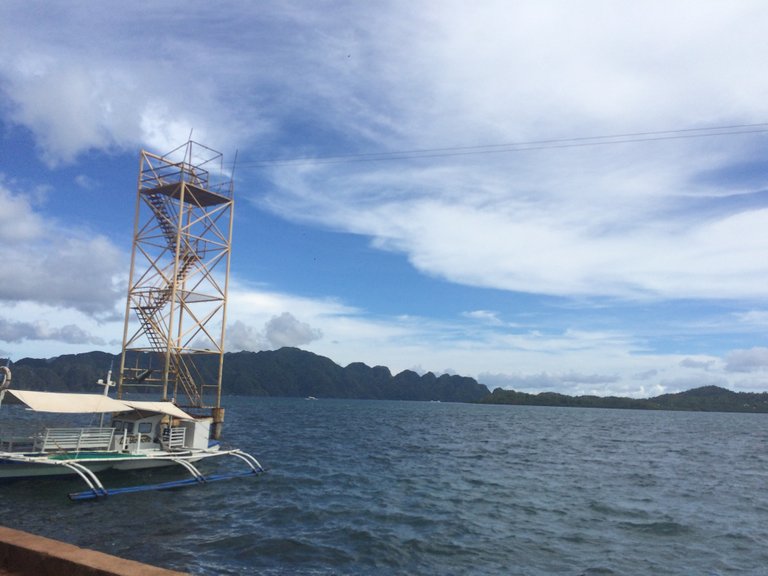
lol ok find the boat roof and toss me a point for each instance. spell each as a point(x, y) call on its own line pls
point(69, 403)
point(159, 407)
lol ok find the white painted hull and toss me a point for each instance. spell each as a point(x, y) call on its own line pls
point(13, 468)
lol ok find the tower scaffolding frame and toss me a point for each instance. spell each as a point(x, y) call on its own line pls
point(175, 313)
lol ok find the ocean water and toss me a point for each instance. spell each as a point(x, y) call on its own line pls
point(374, 487)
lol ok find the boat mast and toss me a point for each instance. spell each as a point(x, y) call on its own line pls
point(6, 382)
point(107, 385)
point(175, 322)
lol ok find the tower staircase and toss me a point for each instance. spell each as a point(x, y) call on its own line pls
point(152, 301)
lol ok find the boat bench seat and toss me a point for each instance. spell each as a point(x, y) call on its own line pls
point(57, 439)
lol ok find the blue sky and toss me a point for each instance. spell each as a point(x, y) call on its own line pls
point(390, 205)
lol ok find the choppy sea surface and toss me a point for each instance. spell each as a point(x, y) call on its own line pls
point(374, 487)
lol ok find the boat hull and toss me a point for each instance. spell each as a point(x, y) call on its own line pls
point(13, 468)
point(10, 469)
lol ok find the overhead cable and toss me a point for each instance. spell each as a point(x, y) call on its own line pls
point(513, 147)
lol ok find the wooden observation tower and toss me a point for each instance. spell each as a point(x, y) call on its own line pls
point(175, 318)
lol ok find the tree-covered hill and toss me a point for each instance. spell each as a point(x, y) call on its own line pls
point(288, 372)
point(705, 399)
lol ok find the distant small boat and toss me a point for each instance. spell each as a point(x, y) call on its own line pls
point(310, 398)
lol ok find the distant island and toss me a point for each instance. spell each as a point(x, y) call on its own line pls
point(291, 372)
point(703, 399)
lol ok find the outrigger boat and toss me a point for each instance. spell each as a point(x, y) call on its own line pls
point(175, 315)
point(140, 435)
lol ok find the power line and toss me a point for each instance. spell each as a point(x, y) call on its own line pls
point(513, 147)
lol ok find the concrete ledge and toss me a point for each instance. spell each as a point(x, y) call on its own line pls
point(25, 554)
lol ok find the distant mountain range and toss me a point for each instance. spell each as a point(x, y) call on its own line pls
point(287, 372)
point(290, 372)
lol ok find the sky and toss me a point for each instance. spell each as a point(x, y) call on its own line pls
point(543, 195)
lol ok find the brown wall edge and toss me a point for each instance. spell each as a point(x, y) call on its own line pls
point(27, 554)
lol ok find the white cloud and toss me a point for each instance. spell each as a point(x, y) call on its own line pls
point(286, 330)
point(485, 316)
point(696, 363)
point(68, 106)
point(578, 361)
point(37, 330)
point(86, 182)
point(756, 318)
point(92, 84)
point(594, 221)
point(14, 332)
point(681, 383)
point(545, 381)
point(48, 263)
point(621, 221)
point(20, 222)
point(553, 64)
point(511, 242)
point(751, 360)
point(241, 336)
point(279, 331)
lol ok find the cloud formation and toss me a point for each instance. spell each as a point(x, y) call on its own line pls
point(76, 99)
point(546, 381)
point(15, 332)
point(633, 220)
point(286, 330)
point(751, 360)
point(625, 221)
point(279, 331)
point(48, 263)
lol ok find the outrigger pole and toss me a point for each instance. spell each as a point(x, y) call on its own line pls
point(97, 490)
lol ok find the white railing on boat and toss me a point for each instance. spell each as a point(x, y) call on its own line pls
point(17, 443)
point(74, 439)
point(18, 438)
point(174, 438)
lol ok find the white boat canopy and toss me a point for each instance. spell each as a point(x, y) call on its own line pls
point(159, 407)
point(68, 403)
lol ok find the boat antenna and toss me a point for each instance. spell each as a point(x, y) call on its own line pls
point(232, 176)
point(106, 385)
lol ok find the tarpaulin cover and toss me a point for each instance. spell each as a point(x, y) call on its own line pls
point(63, 402)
